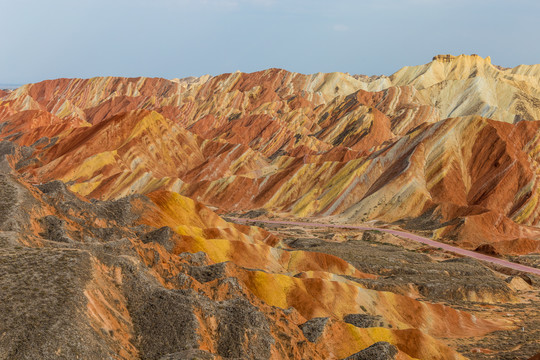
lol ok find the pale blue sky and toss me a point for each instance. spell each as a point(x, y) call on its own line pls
point(177, 38)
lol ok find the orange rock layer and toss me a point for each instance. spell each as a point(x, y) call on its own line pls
point(265, 276)
point(305, 145)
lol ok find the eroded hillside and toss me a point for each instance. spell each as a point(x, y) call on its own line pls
point(110, 190)
point(304, 145)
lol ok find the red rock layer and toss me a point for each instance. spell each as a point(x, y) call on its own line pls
point(307, 145)
point(137, 280)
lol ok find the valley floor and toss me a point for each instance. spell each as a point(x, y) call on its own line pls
point(435, 275)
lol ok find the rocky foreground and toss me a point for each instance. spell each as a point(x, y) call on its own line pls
point(112, 246)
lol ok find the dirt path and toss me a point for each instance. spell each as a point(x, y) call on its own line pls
point(403, 234)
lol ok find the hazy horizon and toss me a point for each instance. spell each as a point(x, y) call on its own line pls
point(13, 86)
point(9, 86)
point(182, 38)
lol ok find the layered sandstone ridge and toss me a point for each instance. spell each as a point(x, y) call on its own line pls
point(471, 85)
point(308, 145)
point(110, 190)
point(162, 276)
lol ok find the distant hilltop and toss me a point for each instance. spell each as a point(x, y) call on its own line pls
point(450, 58)
point(9, 86)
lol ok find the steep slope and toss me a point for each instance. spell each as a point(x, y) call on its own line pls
point(126, 276)
point(308, 145)
point(110, 190)
point(470, 85)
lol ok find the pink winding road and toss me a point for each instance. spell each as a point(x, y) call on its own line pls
point(417, 238)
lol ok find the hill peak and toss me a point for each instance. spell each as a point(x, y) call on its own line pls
point(451, 58)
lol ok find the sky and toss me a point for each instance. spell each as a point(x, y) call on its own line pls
point(179, 38)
